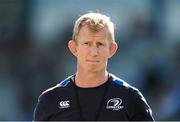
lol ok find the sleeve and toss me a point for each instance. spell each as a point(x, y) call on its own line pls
point(41, 110)
point(141, 111)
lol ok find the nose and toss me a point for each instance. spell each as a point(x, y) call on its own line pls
point(94, 51)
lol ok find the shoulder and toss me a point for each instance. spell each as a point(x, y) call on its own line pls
point(131, 90)
point(121, 83)
point(49, 98)
point(57, 88)
point(136, 100)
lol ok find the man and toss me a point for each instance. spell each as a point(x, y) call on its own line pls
point(92, 93)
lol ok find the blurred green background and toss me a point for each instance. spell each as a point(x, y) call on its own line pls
point(34, 54)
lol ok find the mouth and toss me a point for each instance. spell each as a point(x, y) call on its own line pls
point(93, 61)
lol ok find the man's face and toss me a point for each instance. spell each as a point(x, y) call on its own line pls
point(92, 49)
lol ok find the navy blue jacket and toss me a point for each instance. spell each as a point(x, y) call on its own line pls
point(113, 100)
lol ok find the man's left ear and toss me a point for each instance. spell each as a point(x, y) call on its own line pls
point(113, 49)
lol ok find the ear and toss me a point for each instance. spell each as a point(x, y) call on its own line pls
point(72, 47)
point(113, 49)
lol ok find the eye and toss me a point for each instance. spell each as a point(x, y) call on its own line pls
point(100, 44)
point(86, 43)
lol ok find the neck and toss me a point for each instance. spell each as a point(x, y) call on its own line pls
point(88, 80)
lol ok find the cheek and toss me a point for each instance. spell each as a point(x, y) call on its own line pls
point(81, 53)
point(105, 53)
point(80, 49)
point(104, 56)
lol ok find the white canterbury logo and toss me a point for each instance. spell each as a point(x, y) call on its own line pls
point(114, 104)
point(64, 104)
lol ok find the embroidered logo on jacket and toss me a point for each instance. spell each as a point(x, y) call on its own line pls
point(64, 104)
point(114, 104)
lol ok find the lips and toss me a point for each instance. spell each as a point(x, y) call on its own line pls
point(93, 61)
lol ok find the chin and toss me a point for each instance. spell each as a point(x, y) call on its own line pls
point(94, 70)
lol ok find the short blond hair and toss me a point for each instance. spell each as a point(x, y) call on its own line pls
point(96, 22)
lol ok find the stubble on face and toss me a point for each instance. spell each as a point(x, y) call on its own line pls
point(84, 60)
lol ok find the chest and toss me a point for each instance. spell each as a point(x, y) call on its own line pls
point(91, 104)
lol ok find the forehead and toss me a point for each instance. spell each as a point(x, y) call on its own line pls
point(86, 33)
